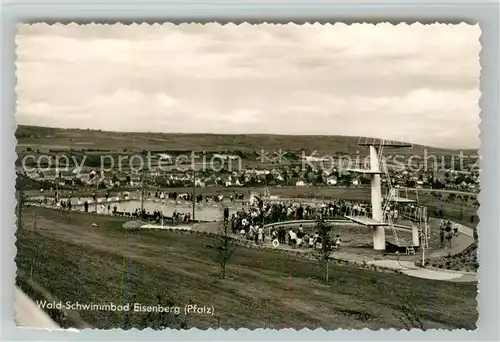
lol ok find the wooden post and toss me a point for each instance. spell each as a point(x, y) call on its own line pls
point(161, 211)
point(194, 194)
point(96, 194)
point(142, 192)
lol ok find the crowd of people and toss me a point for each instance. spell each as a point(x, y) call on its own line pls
point(270, 212)
point(249, 222)
point(298, 238)
point(199, 198)
point(295, 238)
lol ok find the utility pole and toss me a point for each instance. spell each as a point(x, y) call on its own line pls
point(194, 193)
point(143, 180)
point(161, 212)
point(423, 254)
point(96, 193)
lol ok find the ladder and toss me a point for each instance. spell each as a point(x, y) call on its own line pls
point(397, 240)
point(387, 204)
point(421, 211)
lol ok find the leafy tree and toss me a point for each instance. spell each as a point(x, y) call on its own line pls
point(323, 252)
point(225, 245)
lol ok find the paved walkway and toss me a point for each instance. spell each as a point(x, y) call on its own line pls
point(459, 243)
point(409, 268)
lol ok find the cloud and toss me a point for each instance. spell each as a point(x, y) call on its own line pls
point(317, 79)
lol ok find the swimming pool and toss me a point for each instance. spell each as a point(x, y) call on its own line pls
point(203, 211)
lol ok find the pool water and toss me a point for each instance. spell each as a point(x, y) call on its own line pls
point(203, 212)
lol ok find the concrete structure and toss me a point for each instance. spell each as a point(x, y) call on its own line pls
point(377, 214)
point(415, 236)
point(376, 223)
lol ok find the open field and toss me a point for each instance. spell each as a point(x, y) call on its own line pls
point(45, 138)
point(264, 289)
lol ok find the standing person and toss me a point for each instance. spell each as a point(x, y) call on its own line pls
point(86, 206)
point(449, 235)
point(256, 234)
point(448, 226)
point(274, 236)
point(293, 239)
point(441, 237)
point(317, 241)
point(261, 235)
point(174, 217)
point(311, 241)
point(337, 242)
point(455, 229)
point(300, 236)
point(251, 235)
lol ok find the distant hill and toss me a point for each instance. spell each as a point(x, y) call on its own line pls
point(57, 138)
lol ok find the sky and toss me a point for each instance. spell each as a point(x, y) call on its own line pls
point(417, 83)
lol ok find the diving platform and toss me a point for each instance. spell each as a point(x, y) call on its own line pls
point(366, 221)
point(383, 143)
point(387, 144)
point(365, 171)
point(400, 200)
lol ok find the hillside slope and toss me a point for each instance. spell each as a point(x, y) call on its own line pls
point(55, 138)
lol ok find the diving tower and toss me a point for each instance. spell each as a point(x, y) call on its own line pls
point(378, 222)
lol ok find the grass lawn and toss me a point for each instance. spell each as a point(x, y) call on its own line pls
point(74, 261)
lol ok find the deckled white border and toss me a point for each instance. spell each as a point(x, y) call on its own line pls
point(485, 15)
